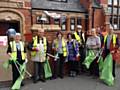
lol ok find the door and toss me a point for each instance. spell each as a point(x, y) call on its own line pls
point(4, 26)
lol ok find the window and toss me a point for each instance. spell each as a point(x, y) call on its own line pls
point(72, 23)
point(110, 10)
point(114, 11)
point(59, 0)
point(115, 2)
point(78, 20)
point(39, 21)
point(63, 23)
point(110, 2)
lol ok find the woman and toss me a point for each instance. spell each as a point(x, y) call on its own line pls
point(60, 47)
point(93, 44)
point(17, 53)
point(73, 54)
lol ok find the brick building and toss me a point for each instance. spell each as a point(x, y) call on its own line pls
point(54, 15)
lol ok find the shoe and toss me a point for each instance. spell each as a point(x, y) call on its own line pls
point(43, 80)
point(74, 74)
point(70, 74)
point(61, 77)
point(22, 84)
point(35, 80)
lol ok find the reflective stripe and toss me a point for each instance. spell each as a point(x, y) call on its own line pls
point(33, 53)
point(35, 41)
point(105, 38)
point(14, 50)
point(113, 39)
point(77, 37)
point(63, 46)
point(45, 45)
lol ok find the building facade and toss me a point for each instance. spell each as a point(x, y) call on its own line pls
point(53, 16)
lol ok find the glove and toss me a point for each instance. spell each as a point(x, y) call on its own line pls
point(26, 61)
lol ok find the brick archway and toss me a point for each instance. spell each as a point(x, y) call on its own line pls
point(13, 15)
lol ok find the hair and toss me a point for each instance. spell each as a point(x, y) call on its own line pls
point(59, 32)
point(71, 35)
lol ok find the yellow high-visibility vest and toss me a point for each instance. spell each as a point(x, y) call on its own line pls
point(77, 37)
point(35, 39)
point(114, 36)
point(14, 50)
point(33, 53)
point(63, 46)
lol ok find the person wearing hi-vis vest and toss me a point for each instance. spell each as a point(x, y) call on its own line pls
point(59, 47)
point(79, 36)
point(110, 45)
point(38, 55)
point(17, 53)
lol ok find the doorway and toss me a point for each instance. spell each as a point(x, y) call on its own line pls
point(5, 25)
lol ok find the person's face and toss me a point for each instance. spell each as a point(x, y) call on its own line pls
point(40, 33)
point(98, 29)
point(93, 33)
point(110, 31)
point(59, 36)
point(69, 37)
point(104, 28)
point(89, 33)
point(79, 29)
point(34, 33)
point(17, 37)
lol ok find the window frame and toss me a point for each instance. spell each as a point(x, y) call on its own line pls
point(115, 17)
point(72, 24)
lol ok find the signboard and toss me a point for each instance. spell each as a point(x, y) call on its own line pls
point(3, 40)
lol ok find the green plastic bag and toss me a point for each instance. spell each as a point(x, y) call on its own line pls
point(89, 58)
point(6, 64)
point(18, 82)
point(106, 74)
point(100, 63)
point(47, 69)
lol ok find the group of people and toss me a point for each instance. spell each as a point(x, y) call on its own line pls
point(82, 51)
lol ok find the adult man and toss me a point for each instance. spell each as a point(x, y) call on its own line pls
point(80, 38)
point(39, 49)
point(110, 45)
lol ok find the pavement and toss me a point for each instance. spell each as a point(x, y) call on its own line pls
point(81, 82)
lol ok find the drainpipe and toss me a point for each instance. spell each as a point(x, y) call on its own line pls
point(93, 15)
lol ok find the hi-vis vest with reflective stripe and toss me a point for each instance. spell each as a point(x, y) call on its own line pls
point(14, 50)
point(114, 36)
point(63, 47)
point(77, 37)
point(35, 42)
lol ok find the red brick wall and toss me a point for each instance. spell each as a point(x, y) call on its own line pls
point(98, 18)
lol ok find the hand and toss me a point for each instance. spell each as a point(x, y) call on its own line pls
point(48, 57)
point(26, 60)
point(112, 52)
point(9, 54)
point(35, 49)
point(78, 55)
